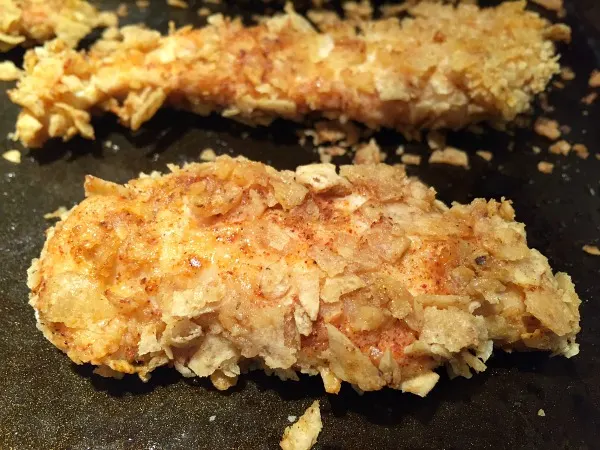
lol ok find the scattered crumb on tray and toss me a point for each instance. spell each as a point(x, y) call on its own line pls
point(303, 434)
point(484, 154)
point(541, 413)
point(13, 156)
point(545, 167)
point(122, 10)
point(292, 419)
point(212, 418)
point(589, 98)
point(561, 147)
point(57, 214)
point(581, 150)
point(410, 159)
point(436, 140)
point(178, 4)
point(326, 153)
point(204, 11)
point(547, 128)
point(142, 4)
point(208, 154)
point(594, 80)
point(558, 84)
point(551, 5)
point(592, 249)
point(450, 155)
point(536, 150)
point(400, 150)
point(369, 153)
point(9, 72)
point(567, 74)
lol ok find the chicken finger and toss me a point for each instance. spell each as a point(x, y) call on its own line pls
point(361, 276)
point(25, 22)
point(445, 67)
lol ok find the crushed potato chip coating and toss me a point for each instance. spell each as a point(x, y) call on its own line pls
point(303, 434)
point(26, 22)
point(425, 71)
point(360, 276)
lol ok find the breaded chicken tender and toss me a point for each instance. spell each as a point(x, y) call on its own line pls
point(26, 22)
point(444, 67)
point(360, 276)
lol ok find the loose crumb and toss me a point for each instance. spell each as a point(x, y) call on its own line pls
point(545, 167)
point(303, 434)
point(450, 155)
point(591, 249)
point(594, 79)
point(13, 156)
point(122, 10)
point(561, 147)
point(212, 418)
point(581, 150)
point(590, 98)
point(476, 129)
point(326, 153)
point(436, 140)
point(484, 154)
point(204, 11)
point(178, 4)
point(541, 413)
point(56, 214)
point(567, 74)
point(558, 84)
point(400, 150)
point(551, 5)
point(142, 4)
point(208, 154)
point(547, 128)
point(369, 153)
point(9, 72)
point(536, 150)
point(292, 419)
point(544, 103)
point(410, 159)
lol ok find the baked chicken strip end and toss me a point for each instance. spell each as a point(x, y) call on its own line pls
point(26, 22)
point(360, 276)
point(445, 67)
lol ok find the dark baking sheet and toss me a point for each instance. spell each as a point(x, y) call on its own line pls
point(48, 402)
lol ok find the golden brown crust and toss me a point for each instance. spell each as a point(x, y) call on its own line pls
point(360, 276)
point(25, 22)
point(444, 67)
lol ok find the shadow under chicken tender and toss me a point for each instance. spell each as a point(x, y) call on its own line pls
point(359, 276)
point(444, 67)
point(26, 22)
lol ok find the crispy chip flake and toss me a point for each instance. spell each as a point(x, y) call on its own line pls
point(591, 249)
point(303, 434)
point(594, 80)
point(451, 156)
point(547, 128)
point(362, 277)
point(13, 156)
point(545, 167)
